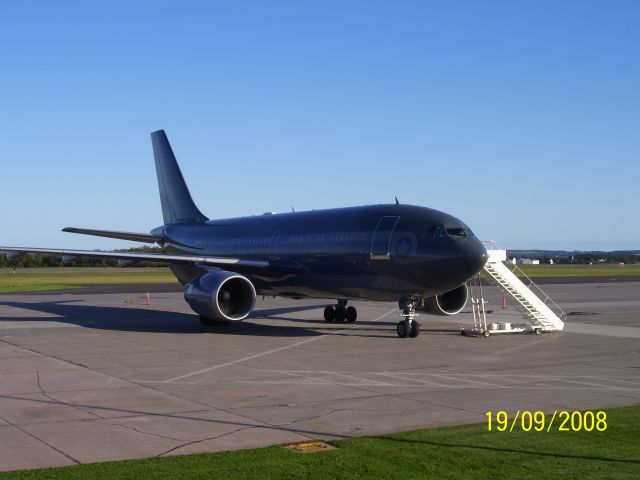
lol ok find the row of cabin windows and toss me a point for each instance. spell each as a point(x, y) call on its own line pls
point(436, 232)
point(285, 239)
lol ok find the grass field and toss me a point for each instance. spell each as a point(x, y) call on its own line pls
point(467, 451)
point(603, 270)
point(40, 279)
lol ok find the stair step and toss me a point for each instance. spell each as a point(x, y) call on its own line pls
point(527, 301)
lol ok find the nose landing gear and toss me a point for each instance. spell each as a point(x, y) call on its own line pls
point(408, 327)
point(340, 313)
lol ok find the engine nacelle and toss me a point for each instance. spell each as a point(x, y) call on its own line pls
point(447, 303)
point(221, 295)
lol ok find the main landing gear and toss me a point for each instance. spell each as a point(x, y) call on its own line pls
point(408, 327)
point(340, 313)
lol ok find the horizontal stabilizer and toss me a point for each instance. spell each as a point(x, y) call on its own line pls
point(134, 237)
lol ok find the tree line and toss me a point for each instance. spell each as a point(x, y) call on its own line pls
point(46, 261)
point(579, 258)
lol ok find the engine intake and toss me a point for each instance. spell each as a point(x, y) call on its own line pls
point(447, 303)
point(221, 295)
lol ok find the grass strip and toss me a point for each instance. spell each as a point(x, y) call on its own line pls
point(41, 279)
point(606, 270)
point(467, 451)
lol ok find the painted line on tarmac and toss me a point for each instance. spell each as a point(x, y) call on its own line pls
point(263, 354)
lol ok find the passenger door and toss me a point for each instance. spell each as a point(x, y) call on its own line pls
point(382, 237)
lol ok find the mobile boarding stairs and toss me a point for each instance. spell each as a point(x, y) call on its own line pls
point(540, 311)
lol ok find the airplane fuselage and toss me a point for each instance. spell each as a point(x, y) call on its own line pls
point(378, 252)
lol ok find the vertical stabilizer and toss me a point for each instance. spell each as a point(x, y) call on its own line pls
point(177, 204)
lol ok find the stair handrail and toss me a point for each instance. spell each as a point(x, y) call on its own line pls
point(563, 315)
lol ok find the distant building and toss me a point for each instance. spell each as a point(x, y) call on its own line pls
point(527, 261)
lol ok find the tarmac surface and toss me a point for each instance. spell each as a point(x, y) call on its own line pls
point(89, 377)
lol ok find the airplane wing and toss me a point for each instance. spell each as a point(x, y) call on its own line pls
point(135, 237)
point(219, 262)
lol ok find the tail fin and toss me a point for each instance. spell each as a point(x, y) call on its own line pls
point(177, 204)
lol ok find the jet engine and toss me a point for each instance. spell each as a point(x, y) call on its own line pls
point(447, 303)
point(221, 295)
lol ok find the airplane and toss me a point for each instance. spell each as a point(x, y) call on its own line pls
point(417, 256)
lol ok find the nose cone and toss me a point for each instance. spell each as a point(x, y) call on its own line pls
point(481, 255)
point(463, 259)
point(473, 256)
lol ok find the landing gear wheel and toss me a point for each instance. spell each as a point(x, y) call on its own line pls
point(403, 329)
point(463, 331)
point(537, 331)
point(340, 314)
point(415, 329)
point(329, 314)
point(351, 314)
point(485, 334)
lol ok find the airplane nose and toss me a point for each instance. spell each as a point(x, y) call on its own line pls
point(475, 256)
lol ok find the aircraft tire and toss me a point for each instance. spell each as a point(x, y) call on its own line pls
point(329, 314)
point(415, 329)
point(403, 329)
point(340, 314)
point(351, 314)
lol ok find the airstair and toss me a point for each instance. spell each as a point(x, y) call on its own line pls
point(543, 314)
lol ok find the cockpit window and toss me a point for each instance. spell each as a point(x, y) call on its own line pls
point(456, 232)
point(437, 231)
point(459, 232)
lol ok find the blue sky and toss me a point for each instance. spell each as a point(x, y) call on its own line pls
point(522, 118)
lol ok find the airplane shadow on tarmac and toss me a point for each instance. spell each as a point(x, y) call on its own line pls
point(277, 314)
point(138, 319)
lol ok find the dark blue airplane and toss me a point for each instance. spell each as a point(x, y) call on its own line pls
point(416, 256)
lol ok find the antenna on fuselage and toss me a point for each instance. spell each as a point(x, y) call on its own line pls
point(293, 209)
point(397, 202)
